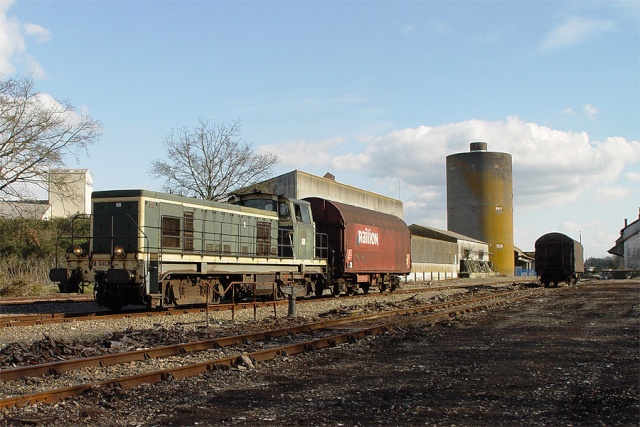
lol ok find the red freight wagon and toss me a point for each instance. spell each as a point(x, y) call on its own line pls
point(369, 248)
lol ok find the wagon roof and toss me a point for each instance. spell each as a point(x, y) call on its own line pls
point(555, 237)
point(354, 214)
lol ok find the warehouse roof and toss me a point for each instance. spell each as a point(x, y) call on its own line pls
point(435, 233)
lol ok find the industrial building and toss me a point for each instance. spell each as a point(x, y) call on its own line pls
point(480, 201)
point(440, 254)
point(298, 185)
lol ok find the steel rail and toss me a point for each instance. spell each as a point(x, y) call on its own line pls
point(292, 349)
point(53, 299)
point(54, 368)
point(52, 318)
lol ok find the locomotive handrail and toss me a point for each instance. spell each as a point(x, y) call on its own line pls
point(227, 239)
point(73, 237)
point(146, 253)
point(322, 246)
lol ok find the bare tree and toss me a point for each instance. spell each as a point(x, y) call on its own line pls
point(36, 132)
point(210, 161)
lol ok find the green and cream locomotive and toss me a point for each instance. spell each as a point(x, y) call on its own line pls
point(163, 250)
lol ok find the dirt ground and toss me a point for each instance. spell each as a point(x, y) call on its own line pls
point(567, 357)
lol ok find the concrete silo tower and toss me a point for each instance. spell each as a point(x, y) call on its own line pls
point(480, 201)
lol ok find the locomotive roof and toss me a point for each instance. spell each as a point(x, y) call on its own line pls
point(128, 193)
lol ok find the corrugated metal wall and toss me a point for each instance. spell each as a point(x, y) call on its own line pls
point(433, 259)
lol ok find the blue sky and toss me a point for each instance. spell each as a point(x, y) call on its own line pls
point(376, 92)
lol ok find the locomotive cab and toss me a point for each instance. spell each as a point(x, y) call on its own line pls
point(296, 236)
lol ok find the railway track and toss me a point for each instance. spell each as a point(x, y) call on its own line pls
point(58, 298)
point(18, 320)
point(49, 318)
point(332, 331)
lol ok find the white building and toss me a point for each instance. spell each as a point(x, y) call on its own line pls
point(70, 192)
point(36, 209)
point(628, 244)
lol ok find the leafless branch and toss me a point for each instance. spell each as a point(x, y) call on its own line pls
point(210, 161)
point(36, 132)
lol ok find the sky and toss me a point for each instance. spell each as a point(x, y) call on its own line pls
point(377, 93)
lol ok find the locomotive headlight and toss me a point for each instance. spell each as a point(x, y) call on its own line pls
point(119, 251)
point(77, 250)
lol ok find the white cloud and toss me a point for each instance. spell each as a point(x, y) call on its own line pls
point(299, 154)
point(11, 40)
point(574, 31)
point(590, 111)
point(549, 166)
point(633, 176)
point(41, 33)
point(609, 194)
point(13, 49)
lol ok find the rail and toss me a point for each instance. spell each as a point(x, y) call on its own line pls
point(396, 318)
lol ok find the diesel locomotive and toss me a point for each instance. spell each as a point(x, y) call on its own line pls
point(163, 250)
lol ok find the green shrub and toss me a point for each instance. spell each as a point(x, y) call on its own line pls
point(28, 250)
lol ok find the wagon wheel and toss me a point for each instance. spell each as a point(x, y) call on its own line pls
point(351, 290)
point(365, 287)
point(395, 283)
point(338, 287)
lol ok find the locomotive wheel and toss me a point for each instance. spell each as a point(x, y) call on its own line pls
point(108, 297)
point(319, 289)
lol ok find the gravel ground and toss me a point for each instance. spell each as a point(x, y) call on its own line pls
point(221, 321)
point(567, 357)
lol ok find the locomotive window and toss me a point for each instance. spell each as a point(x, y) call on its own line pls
point(263, 237)
point(284, 210)
point(264, 204)
point(170, 232)
point(302, 213)
point(188, 231)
